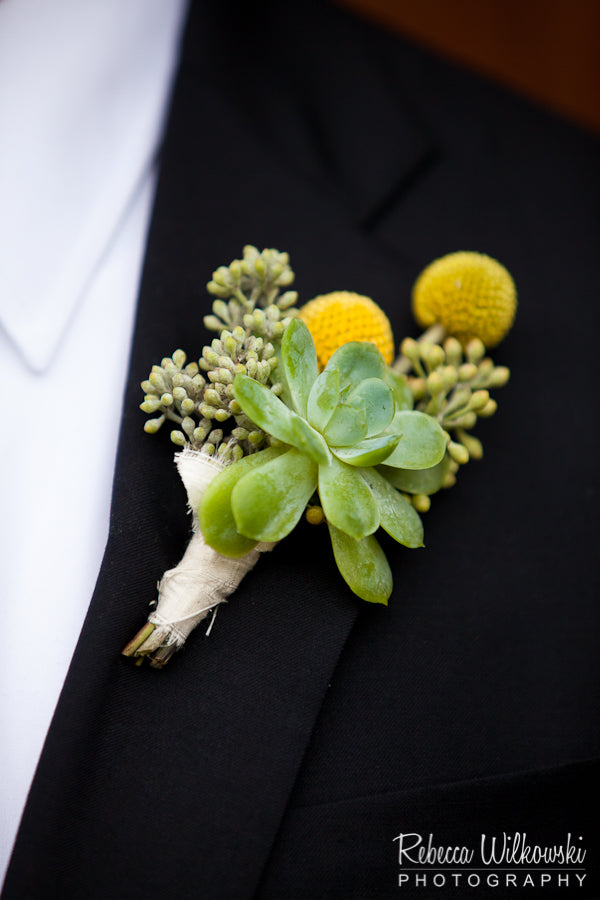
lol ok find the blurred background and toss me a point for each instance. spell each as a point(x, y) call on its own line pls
point(546, 50)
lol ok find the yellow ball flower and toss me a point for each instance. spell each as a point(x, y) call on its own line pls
point(470, 294)
point(336, 318)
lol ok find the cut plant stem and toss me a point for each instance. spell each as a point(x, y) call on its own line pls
point(136, 642)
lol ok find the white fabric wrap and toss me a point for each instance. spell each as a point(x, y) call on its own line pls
point(204, 578)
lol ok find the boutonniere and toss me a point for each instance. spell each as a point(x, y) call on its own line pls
point(295, 412)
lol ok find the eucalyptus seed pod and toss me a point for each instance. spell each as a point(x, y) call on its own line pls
point(479, 400)
point(157, 380)
point(466, 420)
point(209, 358)
point(473, 444)
point(421, 502)
point(152, 425)
point(200, 433)
point(314, 515)
point(151, 403)
point(434, 357)
point(449, 480)
point(188, 425)
point(226, 362)
point(458, 452)
point(435, 383)
point(287, 300)
point(489, 409)
point(484, 372)
point(236, 453)
point(453, 350)
point(450, 377)
point(475, 350)
point(467, 371)
point(499, 377)
point(410, 348)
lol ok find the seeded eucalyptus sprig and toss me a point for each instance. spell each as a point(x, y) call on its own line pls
point(252, 288)
point(232, 354)
point(196, 397)
point(453, 386)
point(174, 390)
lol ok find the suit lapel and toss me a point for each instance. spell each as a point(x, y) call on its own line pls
point(164, 782)
point(323, 106)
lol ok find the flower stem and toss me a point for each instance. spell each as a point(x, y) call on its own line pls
point(136, 642)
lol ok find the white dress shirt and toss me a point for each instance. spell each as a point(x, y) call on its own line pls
point(84, 86)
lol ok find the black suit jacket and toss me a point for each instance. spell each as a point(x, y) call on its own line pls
point(281, 756)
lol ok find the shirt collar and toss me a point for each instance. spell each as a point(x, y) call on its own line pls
point(83, 89)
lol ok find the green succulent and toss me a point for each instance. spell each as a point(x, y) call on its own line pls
point(329, 436)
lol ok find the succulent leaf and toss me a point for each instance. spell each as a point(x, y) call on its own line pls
point(323, 398)
point(346, 500)
point(356, 361)
point(310, 441)
point(423, 441)
point(299, 359)
point(397, 516)
point(363, 565)
point(268, 502)
point(264, 408)
point(403, 396)
point(347, 425)
point(417, 481)
point(370, 452)
point(215, 515)
point(376, 398)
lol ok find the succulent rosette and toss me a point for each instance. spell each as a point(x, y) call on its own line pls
point(329, 433)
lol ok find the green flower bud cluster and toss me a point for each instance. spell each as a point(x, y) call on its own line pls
point(225, 448)
point(198, 397)
point(180, 393)
point(453, 385)
point(235, 353)
point(248, 294)
point(174, 391)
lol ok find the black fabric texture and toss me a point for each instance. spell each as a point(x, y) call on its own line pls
point(280, 756)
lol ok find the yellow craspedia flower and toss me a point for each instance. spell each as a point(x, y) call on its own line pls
point(336, 318)
point(470, 294)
